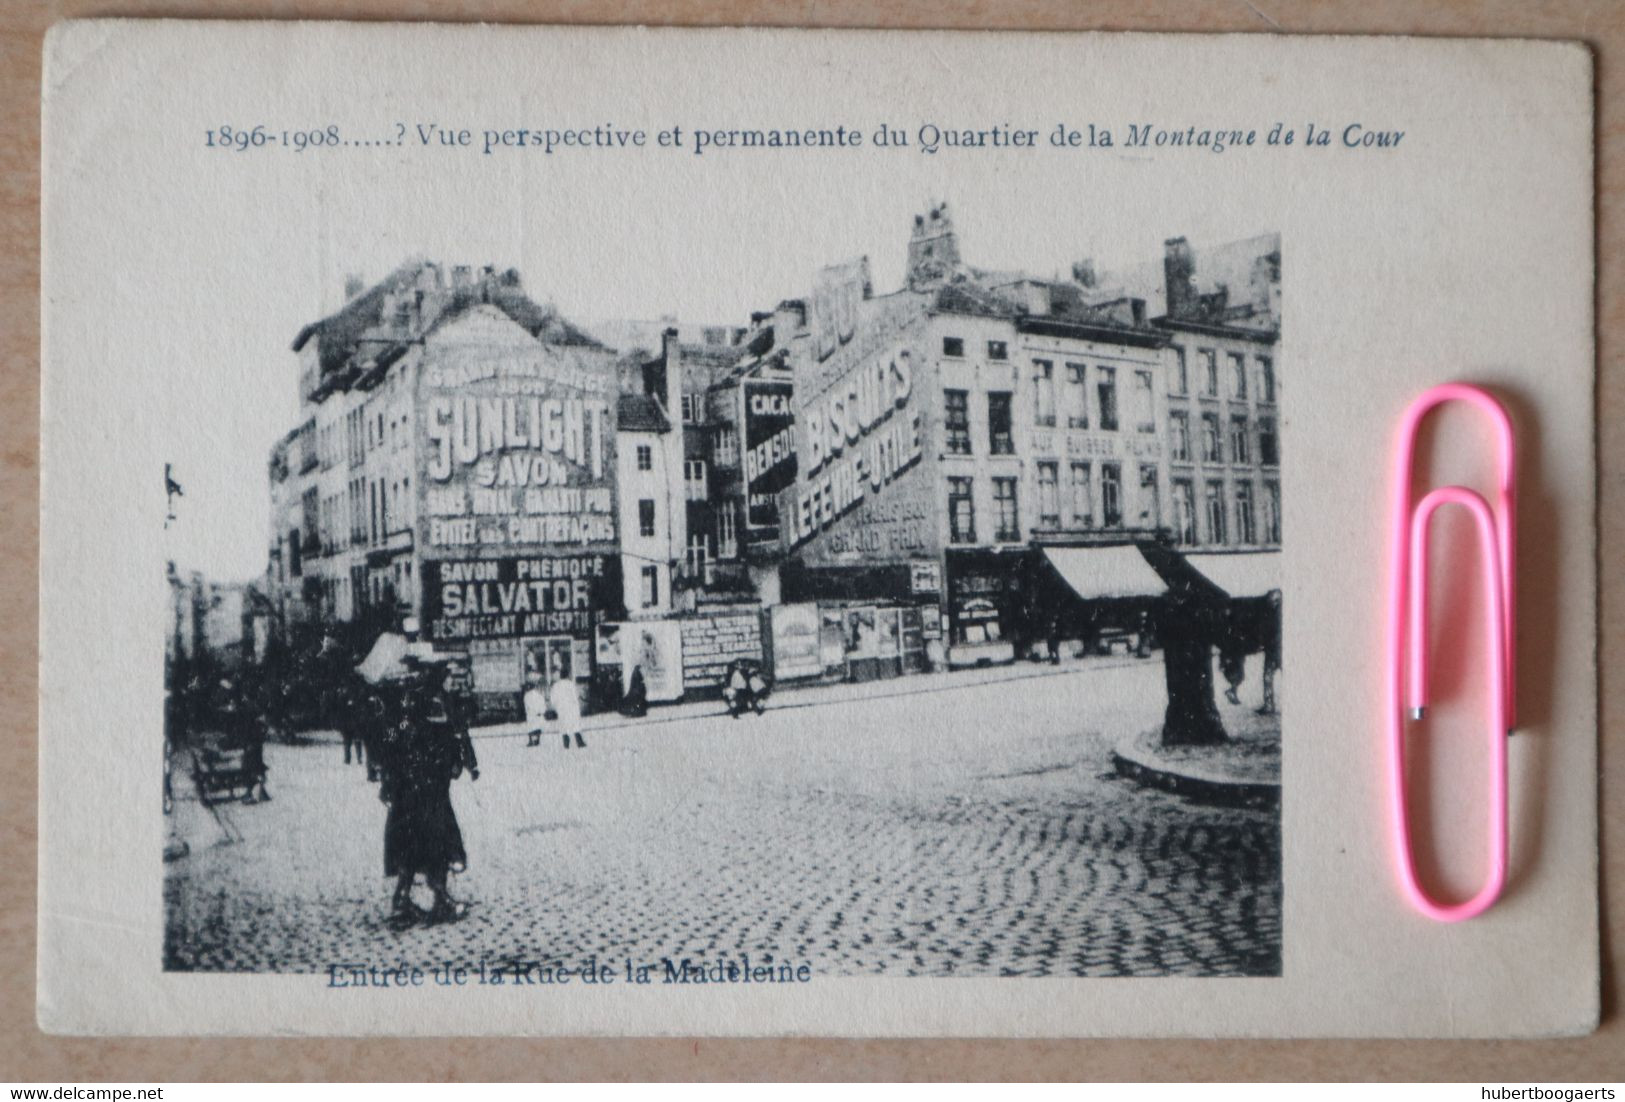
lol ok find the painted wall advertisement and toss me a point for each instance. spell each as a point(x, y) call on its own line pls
point(770, 454)
point(485, 598)
point(857, 440)
point(517, 452)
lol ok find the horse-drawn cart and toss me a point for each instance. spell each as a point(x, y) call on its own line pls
point(223, 773)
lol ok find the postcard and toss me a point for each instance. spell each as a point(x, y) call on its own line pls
point(741, 532)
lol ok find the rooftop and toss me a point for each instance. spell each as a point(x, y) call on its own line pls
point(374, 327)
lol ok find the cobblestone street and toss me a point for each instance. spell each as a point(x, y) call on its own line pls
point(967, 830)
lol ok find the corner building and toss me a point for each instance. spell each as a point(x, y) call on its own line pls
point(458, 470)
point(949, 434)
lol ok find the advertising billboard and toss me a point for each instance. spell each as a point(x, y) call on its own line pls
point(770, 454)
point(507, 597)
point(655, 647)
point(796, 642)
point(516, 451)
point(860, 496)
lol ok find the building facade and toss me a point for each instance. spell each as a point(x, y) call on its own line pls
point(947, 432)
point(853, 484)
point(1223, 426)
point(460, 471)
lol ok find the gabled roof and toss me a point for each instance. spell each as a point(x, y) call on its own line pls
point(340, 330)
point(504, 292)
point(361, 319)
point(640, 413)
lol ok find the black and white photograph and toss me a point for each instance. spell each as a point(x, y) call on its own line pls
point(737, 532)
point(925, 621)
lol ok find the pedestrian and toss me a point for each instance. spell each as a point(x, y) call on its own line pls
point(1272, 651)
point(372, 721)
point(535, 702)
point(757, 682)
point(566, 702)
point(736, 689)
point(244, 730)
point(1233, 664)
point(636, 701)
point(1053, 639)
point(421, 833)
point(169, 749)
point(351, 720)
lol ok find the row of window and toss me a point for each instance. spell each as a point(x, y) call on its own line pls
point(1080, 501)
point(954, 348)
point(372, 506)
point(1207, 368)
point(1236, 375)
point(725, 446)
point(1000, 419)
point(699, 561)
point(727, 542)
point(366, 432)
point(340, 596)
point(1215, 528)
point(1071, 393)
point(1216, 444)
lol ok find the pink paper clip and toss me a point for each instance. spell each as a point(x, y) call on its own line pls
point(1407, 635)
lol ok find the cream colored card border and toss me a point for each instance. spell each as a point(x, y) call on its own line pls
point(1357, 963)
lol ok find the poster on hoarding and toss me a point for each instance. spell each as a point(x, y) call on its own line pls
point(862, 634)
point(608, 645)
point(795, 642)
point(655, 647)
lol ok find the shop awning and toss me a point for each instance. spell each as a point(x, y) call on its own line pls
point(1097, 573)
point(387, 659)
point(1241, 573)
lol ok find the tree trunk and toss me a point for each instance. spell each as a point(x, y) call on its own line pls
point(1192, 718)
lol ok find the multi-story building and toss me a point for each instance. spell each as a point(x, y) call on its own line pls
point(971, 459)
point(953, 434)
point(1223, 426)
point(467, 465)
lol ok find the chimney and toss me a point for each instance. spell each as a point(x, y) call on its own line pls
point(354, 284)
point(1083, 272)
point(671, 354)
point(1178, 272)
point(671, 374)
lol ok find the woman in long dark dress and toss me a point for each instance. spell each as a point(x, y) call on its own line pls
point(421, 834)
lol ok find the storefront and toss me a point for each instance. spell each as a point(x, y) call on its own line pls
point(855, 623)
point(521, 619)
point(985, 618)
point(1093, 598)
point(1240, 574)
